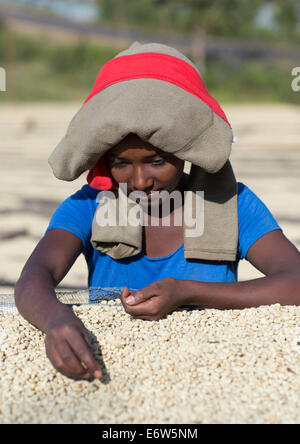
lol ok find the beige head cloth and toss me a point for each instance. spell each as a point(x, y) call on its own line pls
point(169, 113)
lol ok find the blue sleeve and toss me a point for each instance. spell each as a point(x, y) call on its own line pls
point(255, 219)
point(75, 214)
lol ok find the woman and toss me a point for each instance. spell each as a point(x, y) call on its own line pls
point(166, 272)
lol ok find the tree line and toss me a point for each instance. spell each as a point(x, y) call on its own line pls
point(224, 18)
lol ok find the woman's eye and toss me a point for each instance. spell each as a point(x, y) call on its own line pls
point(118, 164)
point(159, 162)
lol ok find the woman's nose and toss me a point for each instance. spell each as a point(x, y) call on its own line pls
point(141, 181)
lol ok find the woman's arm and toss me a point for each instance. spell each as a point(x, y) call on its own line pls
point(66, 337)
point(276, 257)
point(273, 254)
point(46, 267)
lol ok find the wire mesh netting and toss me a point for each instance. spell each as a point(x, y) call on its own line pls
point(91, 295)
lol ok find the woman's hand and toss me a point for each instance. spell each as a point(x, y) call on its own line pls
point(154, 301)
point(68, 347)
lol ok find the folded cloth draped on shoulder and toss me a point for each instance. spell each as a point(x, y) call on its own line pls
point(156, 93)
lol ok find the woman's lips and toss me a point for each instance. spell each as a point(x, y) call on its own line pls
point(146, 198)
point(152, 194)
point(154, 198)
point(143, 194)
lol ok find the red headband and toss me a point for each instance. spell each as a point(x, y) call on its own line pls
point(147, 65)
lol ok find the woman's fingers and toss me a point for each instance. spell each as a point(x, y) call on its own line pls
point(63, 359)
point(152, 302)
point(139, 296)
point(144, 310)
point(125, 293)
point(85, 355)
point(71, 355)
point(141, 303)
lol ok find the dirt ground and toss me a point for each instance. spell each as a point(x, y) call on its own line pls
point(266, 158)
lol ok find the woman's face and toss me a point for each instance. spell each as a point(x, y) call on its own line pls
point(143, 167)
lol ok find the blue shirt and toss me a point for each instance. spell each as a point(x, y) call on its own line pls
point(76, 214)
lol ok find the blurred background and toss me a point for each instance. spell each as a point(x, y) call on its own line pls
point(51, 52)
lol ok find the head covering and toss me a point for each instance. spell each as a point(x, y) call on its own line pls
point(157, 93)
